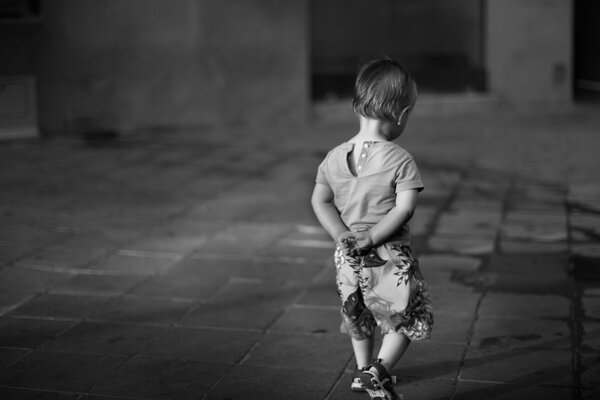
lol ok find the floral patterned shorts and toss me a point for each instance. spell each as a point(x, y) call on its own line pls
point(385, 288)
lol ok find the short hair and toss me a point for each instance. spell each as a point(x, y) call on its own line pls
point(383, 88)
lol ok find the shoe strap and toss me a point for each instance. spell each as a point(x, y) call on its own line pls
point(382, 373)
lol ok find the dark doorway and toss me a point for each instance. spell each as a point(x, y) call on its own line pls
point(586, 69)
point(440, 42)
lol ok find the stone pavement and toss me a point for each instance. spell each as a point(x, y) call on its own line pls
point(189, 265)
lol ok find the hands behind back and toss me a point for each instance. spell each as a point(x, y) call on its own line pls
point(355, 244)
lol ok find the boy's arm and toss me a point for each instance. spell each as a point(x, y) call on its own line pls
point(406, 203)
point(327, 214)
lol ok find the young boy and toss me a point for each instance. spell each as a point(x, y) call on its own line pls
point(365, 193)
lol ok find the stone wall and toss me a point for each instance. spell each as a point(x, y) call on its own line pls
point(529, 50)
point(124, 65)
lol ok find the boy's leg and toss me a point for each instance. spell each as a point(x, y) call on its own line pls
point(393, 347)
point(363, 351)
point(377, 380)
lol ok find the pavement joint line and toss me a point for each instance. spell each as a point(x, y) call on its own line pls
point(189, 300)
point(305, 334)
point(504, 383)
point(217, 328)
point(64, 292)
point(446, 205)
point(54, 391)
point(576, 310)
point(44, 318)
point(470, 334)
point(340, 377)
point(313, 307)
point(150, 254)
point(310, 229)
point(247, 354)
point(310, 243)
point(254, 259)
point(244, 280)
point(125, 322)
point(87, 271)
point(7, 310)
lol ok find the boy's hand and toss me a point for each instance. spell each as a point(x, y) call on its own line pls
point(363, 241)
point(346, 242)
point(355, 244)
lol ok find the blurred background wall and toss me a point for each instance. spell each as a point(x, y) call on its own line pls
point(115, 64)
point(144, 64)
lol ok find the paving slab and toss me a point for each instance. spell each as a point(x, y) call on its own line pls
point(156, 378)
point(29, 281)
point(525, 366)
point(590, 372)
point(135, 263)
point(176, 287)
point(525, 305)
point(103, 338)
point(464, 244)
point(530, 247)
point(309, 320)
point(500, 333)
point(144, 310)
point(430, 359)
point(260, 383)
point(62, 258)
point(29, 333)
point(454, 303)
point(27, 394)
point(466, 219)
point(145, 272)
point(590, 337)
point(448, 262)
point(9, 300)
point(62, 306)
point(252, 313)
point(448, 282)
point(591, 307)
point(228, 346)
point(59, 371)
point(320, 294)
point(9, 356)
point(300, 351)
point(95, 284)
point(481, 390)
point(451, 328)
point(220, 269)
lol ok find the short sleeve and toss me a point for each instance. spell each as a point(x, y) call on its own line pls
point(408, 176)
point(321, 175)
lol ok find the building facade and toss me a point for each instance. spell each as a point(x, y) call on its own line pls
point(145, 64)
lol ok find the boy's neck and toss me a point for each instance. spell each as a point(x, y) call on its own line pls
point(370, 131)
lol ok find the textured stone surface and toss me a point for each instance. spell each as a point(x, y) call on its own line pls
point(142, 377)
point(217, 345)
point(500, 332)
point(103, 338)
point(525, 366)
point(524, 305)
point(58, 371)
point(156, 273)
point(259, 383)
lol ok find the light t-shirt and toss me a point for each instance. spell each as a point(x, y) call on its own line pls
point(383, 169)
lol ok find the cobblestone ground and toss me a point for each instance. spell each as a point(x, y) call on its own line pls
point(188, 265)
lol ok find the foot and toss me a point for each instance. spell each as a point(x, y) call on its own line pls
point(356, 385)
point(378, 383)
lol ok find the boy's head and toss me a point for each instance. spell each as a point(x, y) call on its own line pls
point(384, 90)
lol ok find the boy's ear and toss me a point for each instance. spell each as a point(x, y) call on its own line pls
point(404, 114)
